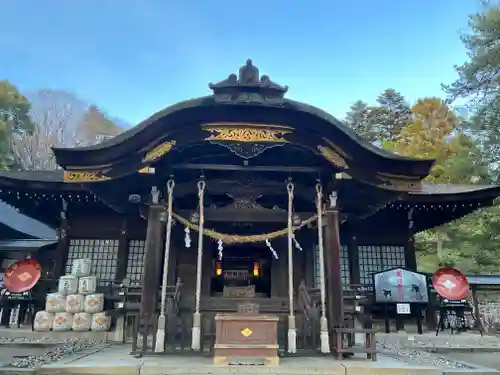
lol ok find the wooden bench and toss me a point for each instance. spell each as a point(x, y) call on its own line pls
point(369, 348)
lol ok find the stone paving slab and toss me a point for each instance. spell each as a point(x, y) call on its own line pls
point(117, 360)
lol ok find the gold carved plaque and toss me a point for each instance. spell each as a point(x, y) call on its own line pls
point(84, 176)
point(159, 151)
point(247, 332)
point(241, 132)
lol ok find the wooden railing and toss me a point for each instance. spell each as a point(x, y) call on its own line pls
point(145, 326)
point(309, 302)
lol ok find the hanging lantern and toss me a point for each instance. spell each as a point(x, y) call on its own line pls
point(296, 221)
point(218, 269)
point(256, 269)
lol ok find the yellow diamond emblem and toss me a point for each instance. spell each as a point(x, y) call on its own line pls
point(246, 332)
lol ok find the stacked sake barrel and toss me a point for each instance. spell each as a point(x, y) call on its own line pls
point(76, 306)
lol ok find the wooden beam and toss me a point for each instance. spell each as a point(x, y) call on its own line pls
point(257, 168)
point(266, 187)
point(245, 215)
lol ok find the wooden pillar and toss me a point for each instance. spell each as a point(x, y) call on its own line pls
point(410, 256)
point(62, 248)
point(207, 268)
point(153, 251)
point(172, 260)
point(352, 250)
point(123, 248)
point(279, 270)
point(334, 297)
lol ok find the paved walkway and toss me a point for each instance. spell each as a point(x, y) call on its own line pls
point(117, 360)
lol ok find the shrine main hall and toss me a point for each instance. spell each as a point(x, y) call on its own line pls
point(243, 195)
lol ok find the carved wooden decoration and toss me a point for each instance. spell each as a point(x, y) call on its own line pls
point(246, 140)
point(85, 176)
point(252, 133)
point(159, 151)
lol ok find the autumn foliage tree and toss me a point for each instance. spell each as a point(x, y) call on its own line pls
point(430, 134)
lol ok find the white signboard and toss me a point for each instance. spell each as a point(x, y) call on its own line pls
point(403, 308)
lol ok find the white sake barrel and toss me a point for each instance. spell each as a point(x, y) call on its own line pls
point(94, 303)
point(68, 284)
point(55, 303)
point(81, 267)
point(100, 322)
point(81, 322)
point(62, 322)
point(87, 285)
point(43, 321)
point(74, 303)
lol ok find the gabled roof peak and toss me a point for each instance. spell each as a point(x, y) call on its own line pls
point(248, 86)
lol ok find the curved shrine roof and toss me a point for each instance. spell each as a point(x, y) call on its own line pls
point(246, 98)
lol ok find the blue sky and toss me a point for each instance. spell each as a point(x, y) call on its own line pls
point(135, 57)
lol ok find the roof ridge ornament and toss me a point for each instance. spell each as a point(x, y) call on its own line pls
point(248, 87)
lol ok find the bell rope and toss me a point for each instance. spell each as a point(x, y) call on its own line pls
point(196, 331)
point(324, 339)
point(292, 332)
point(160, 333)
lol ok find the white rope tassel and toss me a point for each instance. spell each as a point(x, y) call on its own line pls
point(160, 333)
point(324, 338)
point(271, 249)
point(187, 237)
point(196, 332)
point(292, 332)
point(220, 249)
point(296, 243)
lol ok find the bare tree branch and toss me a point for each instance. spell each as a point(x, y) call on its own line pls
point(56, 116)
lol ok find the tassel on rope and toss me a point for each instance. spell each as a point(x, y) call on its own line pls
point(296, 243)
point(324, 338)
point(160, 333)
point(196, 331)
point(187, 237)
point(220, 249)
point(292, 332)
point(271, 248)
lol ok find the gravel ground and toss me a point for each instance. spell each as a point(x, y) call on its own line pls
point(400, 348)
point(47, 340)
point(415, 349)
point(59, 350)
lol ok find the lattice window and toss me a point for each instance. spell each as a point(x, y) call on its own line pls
point(344, 266)
point(374, 259)
point(369, 262)
point(102, 253)
point(393, 256)
point(135, 264)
